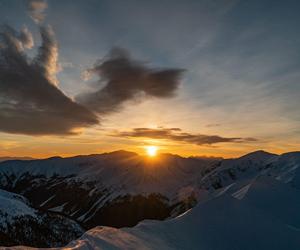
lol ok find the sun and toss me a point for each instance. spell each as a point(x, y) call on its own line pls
point(151, 151)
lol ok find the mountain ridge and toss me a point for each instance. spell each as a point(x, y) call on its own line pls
point(126, 152)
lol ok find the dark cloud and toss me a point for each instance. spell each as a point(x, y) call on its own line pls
point(36, 10)
point(30, 101)
point(176, 134)
point(124, 79)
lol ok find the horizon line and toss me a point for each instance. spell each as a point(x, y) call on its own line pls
point(138, 154)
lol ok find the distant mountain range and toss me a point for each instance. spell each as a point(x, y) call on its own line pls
point(9, 158)
point(122, 188)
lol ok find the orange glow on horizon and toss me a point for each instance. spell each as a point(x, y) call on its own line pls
point(49, 146)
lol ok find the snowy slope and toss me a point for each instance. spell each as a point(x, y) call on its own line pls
point(13, 206)
point(266, 217)
point(245, 167)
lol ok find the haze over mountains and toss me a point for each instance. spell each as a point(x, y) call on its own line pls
point(256, 194)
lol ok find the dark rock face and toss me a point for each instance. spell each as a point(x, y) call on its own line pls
point(127, 211)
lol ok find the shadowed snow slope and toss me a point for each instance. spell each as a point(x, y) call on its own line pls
point(13, 205)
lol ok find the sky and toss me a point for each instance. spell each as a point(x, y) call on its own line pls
point(209, 78)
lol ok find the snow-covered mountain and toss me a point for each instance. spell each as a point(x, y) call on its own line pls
point(250, 203)
point(230, 170)
point(22, 224)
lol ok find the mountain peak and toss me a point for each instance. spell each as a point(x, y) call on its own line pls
point(258, 155)
point(121, 153)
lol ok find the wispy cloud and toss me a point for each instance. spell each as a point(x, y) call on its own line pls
point(176, 134)
point(47, 58)
point(211, 125)
point(36, 10)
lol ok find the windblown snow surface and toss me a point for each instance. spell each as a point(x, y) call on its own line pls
point(256, 212)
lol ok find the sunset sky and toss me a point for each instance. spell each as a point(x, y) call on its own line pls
point(214, 78)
